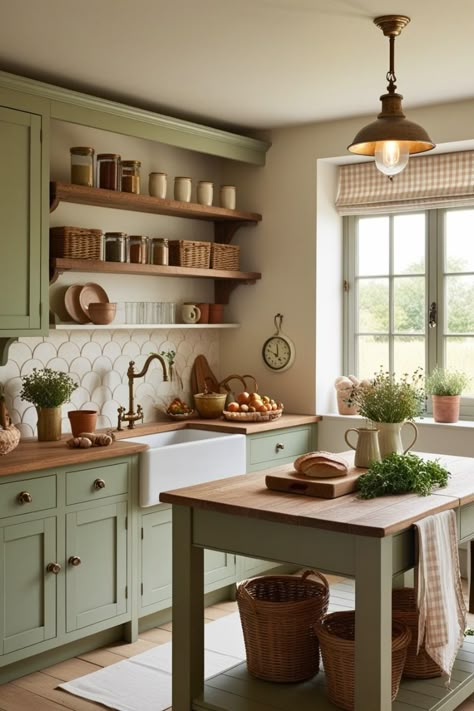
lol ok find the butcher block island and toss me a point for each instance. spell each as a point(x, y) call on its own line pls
point(372, 541)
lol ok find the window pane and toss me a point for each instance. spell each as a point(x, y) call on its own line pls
point(459, 241)
point(373, 354)
point(459, 355)
point(373, 246)
point(459, 304)
point(409, 304)
point(408, 354)
point(409, 244)
point(373, 305)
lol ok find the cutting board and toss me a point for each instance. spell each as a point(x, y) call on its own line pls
point(294, 483)
point(202, 376)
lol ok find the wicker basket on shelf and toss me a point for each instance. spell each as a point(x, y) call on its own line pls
point(277, 613)
point(336, 633)
point(76, 243)
point(187, 253)
point(225, 256)
point(404, 609)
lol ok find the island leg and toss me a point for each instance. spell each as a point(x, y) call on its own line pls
point(188, 613)
point(373, 646)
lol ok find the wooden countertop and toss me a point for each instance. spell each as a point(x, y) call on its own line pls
point(247, 496)
point(31, 455)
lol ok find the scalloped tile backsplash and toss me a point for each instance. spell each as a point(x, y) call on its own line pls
point(98, 361)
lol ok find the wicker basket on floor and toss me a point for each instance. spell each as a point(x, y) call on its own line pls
point(336, 639)
point(76, 243)
point(225, 256)
point(187, 253)
point(417, 666)
point(277, 613)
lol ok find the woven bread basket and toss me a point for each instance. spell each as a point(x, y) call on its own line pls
point(336, 633)
point(277, 613)
point(76, 243)
point(404, 609)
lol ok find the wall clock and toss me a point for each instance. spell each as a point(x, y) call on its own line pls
point(278, 351)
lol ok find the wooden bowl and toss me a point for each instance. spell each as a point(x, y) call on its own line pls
point(102, 313)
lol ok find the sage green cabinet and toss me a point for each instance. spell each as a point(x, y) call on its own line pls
point(24, 210)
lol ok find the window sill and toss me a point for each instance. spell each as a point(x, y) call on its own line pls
point(419, 421)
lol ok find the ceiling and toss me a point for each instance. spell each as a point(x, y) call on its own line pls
point(242, 64)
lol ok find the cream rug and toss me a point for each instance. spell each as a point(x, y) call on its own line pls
point(143, 682)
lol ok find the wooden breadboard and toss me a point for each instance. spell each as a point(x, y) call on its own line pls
point(294, 483)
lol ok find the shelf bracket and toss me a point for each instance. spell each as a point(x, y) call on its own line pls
point(223, 289)
point(5, 344)
point(224, 231)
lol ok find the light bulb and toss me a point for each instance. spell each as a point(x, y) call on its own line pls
point(391, 156)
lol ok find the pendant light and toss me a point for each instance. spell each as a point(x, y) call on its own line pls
point(391, 138)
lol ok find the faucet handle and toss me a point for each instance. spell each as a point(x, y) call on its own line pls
point(139, 412)
point(120, 411)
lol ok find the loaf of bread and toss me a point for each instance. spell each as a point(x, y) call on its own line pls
point(321, 465)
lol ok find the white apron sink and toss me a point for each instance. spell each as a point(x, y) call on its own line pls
point(186, 457)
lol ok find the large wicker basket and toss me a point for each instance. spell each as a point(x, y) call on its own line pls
point(336, 638)
point(277, 613)
point(187, 253)
point(417, 666)
point(225, 256)
point(76, 243)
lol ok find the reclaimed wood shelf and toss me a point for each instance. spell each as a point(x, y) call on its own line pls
point(135, 326)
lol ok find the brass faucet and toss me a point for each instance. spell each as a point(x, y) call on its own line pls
point(131, 416)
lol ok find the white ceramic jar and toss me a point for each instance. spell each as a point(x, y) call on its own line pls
point(227, 196)
point(182, 189)
point(157, 185)
point(205, 191)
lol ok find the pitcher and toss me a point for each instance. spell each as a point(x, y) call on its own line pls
point(390, 437)
point(367, 448)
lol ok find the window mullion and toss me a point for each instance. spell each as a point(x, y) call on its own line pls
point(391, 304)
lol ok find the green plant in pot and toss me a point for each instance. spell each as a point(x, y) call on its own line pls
point(445, 387)
point(47, 389)
point(390, 403)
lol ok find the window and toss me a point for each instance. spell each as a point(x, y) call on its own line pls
point(410, 296)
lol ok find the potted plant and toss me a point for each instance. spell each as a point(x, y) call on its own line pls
point(445, 387)
point(389, 404)
point(47, 389)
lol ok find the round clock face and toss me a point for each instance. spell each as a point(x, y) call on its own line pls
point(278, 353)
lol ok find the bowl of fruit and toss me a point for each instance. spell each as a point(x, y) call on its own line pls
point(180, 410)
point(253, 407)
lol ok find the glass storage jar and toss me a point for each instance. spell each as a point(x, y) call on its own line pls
point(116, 246)
point(137, 249)
point(159, 251)
point(82, 166)
point(131, 176)
point(108, 171)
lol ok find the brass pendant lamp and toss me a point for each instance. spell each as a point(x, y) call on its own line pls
point(391, 138)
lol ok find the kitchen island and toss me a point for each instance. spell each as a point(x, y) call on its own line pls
point(371, 541)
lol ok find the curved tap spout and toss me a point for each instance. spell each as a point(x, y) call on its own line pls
point(131, 416)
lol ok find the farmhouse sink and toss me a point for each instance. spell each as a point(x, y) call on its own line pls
point(186, 457)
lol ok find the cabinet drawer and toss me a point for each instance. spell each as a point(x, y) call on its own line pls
point(42, 492)
point(96, 483)
point(279, 446)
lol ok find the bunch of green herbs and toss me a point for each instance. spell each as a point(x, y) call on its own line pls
point(402, 474)
point(47, 387)
point(446, 382)
point(386, 399)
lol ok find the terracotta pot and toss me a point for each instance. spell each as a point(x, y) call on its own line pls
point(342, 406)
point(82, 421)
point(49, 424)
point(446, 407)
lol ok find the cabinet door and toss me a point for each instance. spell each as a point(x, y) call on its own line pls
point(28, 591)
point(219, 569)
point(22, 208)
point(96, 560)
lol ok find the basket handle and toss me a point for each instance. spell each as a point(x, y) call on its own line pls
point(317, 574)
point(243, 590)
point(255, 386)
point(225, 383)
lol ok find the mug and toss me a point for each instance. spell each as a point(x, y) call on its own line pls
point(190, 313)
point(216, 313)
point(367, 449)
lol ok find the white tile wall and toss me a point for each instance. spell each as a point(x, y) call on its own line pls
point(98, 361)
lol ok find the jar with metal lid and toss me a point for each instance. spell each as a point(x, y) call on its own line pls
point(116, 246)
point(159, 251)
point(108, 171)
point(82, 166)
point(137, 249)
point(131, 176)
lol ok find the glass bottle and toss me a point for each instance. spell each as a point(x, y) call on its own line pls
point(131, 176)
point(116, 246)
point(137, 249)
point(82, 166)
point(108, 171)
point(159, 251)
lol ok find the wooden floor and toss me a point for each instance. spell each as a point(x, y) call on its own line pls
point(37, 692)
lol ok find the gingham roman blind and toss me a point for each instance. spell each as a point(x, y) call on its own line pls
point(444, 180)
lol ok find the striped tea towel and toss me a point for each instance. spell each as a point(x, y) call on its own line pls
point(442, 612)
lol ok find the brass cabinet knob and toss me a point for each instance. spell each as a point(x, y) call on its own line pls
point(53, 568)
point(99, 484)
point(74, 560)
point(279, 446)
point(24, 498)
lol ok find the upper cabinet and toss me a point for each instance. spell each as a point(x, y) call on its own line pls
point(24, 207)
